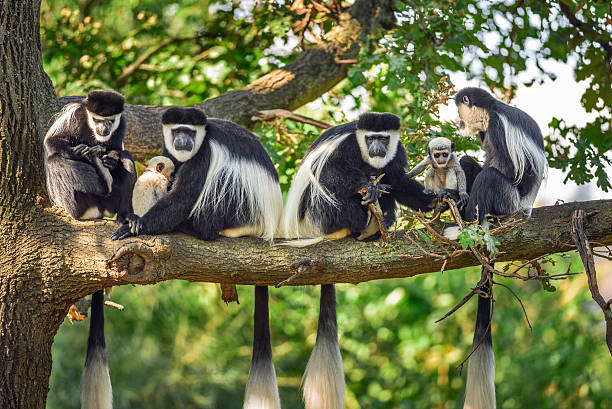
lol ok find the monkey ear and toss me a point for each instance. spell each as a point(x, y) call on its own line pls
point(159, 167)
point(428, 151)
point(452, 146)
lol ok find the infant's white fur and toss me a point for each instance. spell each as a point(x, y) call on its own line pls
point(152, 185)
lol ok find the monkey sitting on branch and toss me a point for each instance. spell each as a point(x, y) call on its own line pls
point(445, 177)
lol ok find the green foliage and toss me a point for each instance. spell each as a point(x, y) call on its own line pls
point(475, 235)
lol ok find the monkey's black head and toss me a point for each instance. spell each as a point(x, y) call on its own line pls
point(473, 105)
point(378, 136)
point(104, 110)
point(183, 130)
point(104, 103)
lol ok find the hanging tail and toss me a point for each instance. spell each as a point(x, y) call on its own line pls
point(480, 386)
point(96, 389)
point(323, 384)
point(262, 390)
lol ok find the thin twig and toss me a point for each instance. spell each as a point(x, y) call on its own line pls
point(519, 300)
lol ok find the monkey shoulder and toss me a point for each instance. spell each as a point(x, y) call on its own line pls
point(241, 143)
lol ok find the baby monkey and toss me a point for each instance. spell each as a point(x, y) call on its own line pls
point(153, 184)
point(446, 178)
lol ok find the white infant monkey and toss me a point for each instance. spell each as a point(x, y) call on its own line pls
point(446, 172)
point(152, 185)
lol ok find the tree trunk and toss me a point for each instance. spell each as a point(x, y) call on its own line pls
point(29, 316)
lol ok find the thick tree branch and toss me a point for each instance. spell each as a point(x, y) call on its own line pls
point(312, 73)
point(91, 260)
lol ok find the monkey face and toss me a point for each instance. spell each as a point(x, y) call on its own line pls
point(182, 140)
point(162, 165)
point(103, 126)
point(378, 144)
point(440, 157)
point(473, 119)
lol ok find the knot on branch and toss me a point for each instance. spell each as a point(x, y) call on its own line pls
point(138, 261)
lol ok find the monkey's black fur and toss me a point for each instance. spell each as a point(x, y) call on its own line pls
point(188, 116)
point(495, 181)
point(76, 161)
point(172, 212)
point(104, 103)
point(346, 172)
point(374, 121)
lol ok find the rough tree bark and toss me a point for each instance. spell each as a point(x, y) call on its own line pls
point(48, 261)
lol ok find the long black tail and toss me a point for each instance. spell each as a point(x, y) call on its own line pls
point(262, 390)
point(323, 384)
point(96, 389)
point(480, 387)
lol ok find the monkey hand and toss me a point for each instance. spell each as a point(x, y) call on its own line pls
point(371, 192)
point(132, 226)
point(110, 161)
point(86, 151)
point(463, 199)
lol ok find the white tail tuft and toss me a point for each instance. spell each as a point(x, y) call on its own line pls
point(96, 389)
point(323, 384)
point(451, 232)
point(480, 386)
point(262, 390)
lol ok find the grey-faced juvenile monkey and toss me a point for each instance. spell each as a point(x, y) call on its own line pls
point(445, 175)
point(152, 185)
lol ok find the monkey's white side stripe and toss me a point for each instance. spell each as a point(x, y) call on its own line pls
point(247, 184)
point(96, 389)
point(323, 384)
point(307, 177)
point(480, 386)
point(63, 120)
point(522, 149)
point(262, 390)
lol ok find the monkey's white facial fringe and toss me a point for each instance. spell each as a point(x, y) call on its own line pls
point(245, 183)
point(90, 121)
point(480, 386)
point(522, 149)
point(262, 390)
point(307, 177)
point(96, 389)
point(183, 156)
point(323, 385)
point(378, 162)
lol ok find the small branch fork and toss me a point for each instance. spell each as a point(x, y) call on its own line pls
point(272, 114)
point(586, 254)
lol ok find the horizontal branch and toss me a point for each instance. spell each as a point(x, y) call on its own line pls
point(93, 261)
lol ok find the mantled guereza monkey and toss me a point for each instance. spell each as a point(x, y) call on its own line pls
point(89, 173)
point(445, 175)
point(509, 181)
point(323, 203)
point(224, 184)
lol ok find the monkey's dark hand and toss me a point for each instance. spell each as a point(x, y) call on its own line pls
point(373, 192)
point(110, 161)
point(463, 199)
point(132, 226)
point(85, 151)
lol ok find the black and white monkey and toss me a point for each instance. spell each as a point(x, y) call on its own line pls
point(445, 174)
point(224, 184)
point(323, 203)
point(153, 184)
point(89, 173)
point(96, 389)
point(508, 182)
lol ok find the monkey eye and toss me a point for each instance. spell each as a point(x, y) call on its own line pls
point(466, 100)
point(160, 167)
point(445, 154)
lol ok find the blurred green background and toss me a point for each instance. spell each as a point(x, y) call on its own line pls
point(177, 345)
